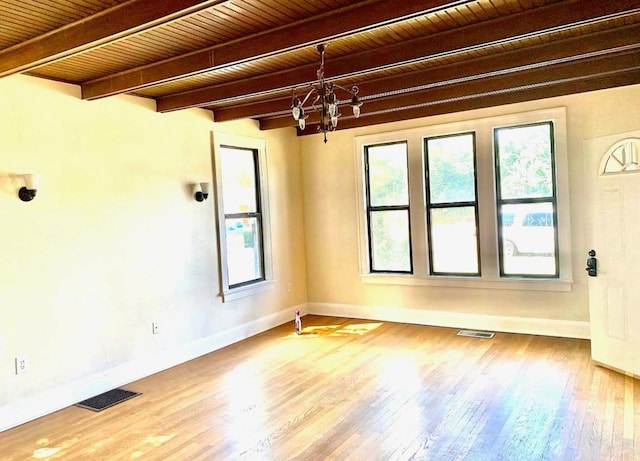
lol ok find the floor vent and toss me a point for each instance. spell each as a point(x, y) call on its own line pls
point(476, 334)
point(108, 399)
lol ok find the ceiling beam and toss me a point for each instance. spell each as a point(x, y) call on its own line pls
point(572, 49)
point(554, 17)
point(106, 26)
point(480, 101)
point(364, 16)
point(557, 74)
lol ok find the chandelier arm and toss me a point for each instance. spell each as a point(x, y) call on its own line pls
point(313, 103)
point(352, 91)
point(309, 93)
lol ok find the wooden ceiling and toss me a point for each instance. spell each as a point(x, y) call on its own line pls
point(243, 58)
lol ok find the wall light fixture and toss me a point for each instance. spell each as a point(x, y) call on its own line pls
point(28, 191)
point(201, 191)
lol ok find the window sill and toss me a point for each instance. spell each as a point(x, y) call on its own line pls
point(469, 282)
point(245, 291)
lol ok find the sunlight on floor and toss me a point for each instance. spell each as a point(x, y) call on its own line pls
point(400, 377)
point(359, 329)
point(44, 453)
point(48, 452)
point(153, 440)
point(247, 413)
point(157, 440)
point(401, 373)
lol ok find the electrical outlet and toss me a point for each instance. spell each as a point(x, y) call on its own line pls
point(154, 328)
point(21, 364)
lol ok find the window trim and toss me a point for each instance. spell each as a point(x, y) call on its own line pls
point(250, 288)
point(490, 278)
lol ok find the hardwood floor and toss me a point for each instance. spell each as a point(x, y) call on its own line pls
point(359, 390)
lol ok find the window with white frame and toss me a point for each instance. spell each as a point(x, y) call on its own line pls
point(243, 224)
point(487, 205)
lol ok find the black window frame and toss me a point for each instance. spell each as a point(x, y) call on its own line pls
point(370, 209)
point(465, 204)
point(500, 202)
point(257, 214)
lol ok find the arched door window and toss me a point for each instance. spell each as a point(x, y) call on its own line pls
point(622, 157)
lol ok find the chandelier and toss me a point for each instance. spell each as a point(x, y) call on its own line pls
point(325, 101)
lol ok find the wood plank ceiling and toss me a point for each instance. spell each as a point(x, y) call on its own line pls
point(243, 58)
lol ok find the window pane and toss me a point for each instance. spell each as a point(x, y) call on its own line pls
point(388, 174)
point(390, 249)
point(244, 259)
point(525, 161)
point(528, 239)
point(451, 169)
point(454, 244)
point(238, 180)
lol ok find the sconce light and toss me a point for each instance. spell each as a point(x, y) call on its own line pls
point(201, 191)
point(28, 191)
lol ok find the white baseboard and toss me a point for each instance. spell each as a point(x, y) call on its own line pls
point(27, 409)
point(506, 324)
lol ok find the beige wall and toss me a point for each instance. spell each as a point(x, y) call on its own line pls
point(114, 240)
point(330, 207)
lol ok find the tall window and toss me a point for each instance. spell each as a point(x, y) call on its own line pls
point(242, 215)
point(387, 187)
point(452, 206)
point(526, 200)
point(243, 224)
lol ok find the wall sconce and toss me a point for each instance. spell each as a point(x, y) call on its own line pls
point(201, 191)
point(28, 191)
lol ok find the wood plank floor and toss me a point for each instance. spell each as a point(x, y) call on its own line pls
point(359, 390)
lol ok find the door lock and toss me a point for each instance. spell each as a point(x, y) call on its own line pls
point(592, 264)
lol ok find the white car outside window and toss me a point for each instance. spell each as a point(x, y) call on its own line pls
point(527, 230)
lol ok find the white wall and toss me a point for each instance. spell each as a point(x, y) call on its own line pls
point(114, 241)
point(330, 205)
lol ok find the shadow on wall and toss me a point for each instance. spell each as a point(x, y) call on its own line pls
point(10, 183)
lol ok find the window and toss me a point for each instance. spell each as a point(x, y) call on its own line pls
point(526, 200)
point(242, 218)
point(242, 215)
point(452, 207)
point(484, 204)
point(388, 207)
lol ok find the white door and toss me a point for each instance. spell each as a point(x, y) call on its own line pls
point(612, 186)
